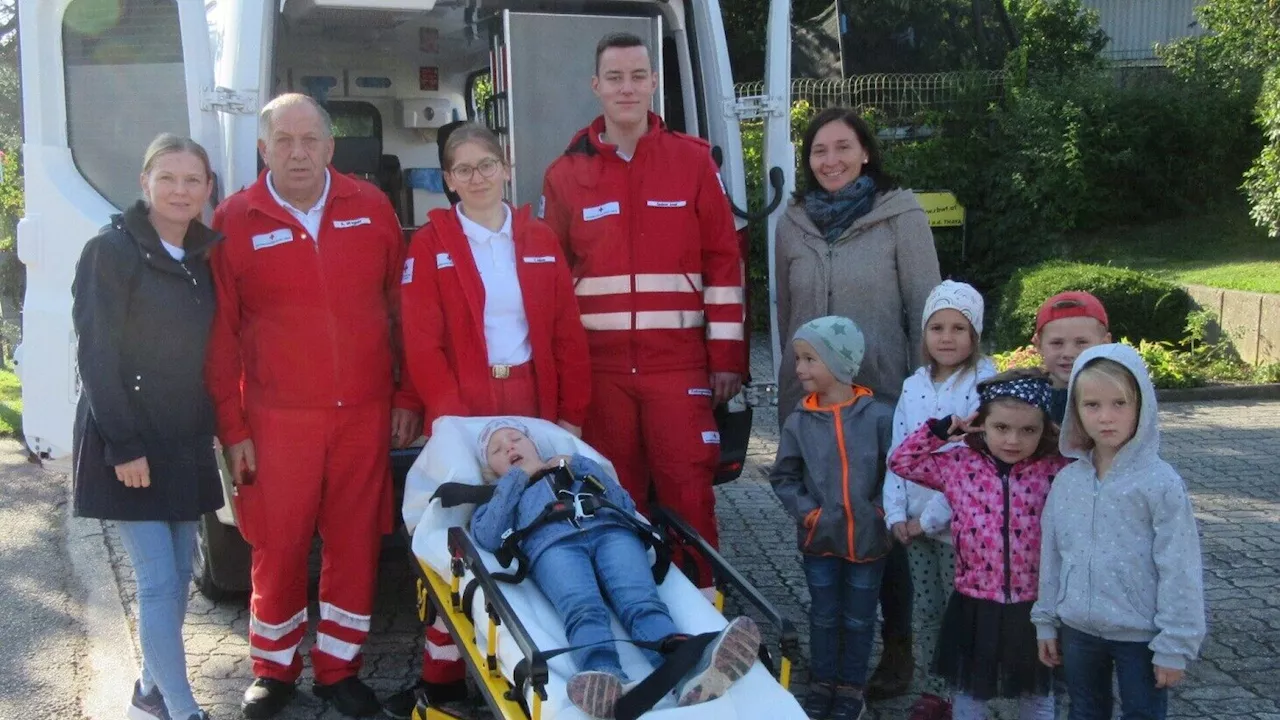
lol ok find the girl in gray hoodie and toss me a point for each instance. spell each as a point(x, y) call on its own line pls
point(1121, 587)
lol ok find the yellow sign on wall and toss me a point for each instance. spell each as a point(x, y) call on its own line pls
point(942, 207)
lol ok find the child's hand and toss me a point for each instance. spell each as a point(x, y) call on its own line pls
point(557, 461)
point(1167, 677)
point(961, 426)
point(914, 530)
point(1049, 654)
point(900, 533)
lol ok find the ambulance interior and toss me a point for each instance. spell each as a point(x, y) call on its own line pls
point(391, 78)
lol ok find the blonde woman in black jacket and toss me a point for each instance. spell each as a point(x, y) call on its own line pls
point(144, 453)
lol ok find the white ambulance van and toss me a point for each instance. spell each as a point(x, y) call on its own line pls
point(102, 77)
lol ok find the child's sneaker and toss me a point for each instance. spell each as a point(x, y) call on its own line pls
point(930, 707)
point(146, 707)
point(817, 702)
point(726, 659)
point(595, 693)
point(849, 703)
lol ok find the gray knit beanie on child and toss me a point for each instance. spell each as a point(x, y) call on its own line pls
point(494, 426)
point(839, 343)
point(958, 296)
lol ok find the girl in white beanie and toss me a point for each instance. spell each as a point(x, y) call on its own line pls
point(946, 384)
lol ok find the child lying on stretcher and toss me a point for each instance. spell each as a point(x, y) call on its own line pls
point(579, 563)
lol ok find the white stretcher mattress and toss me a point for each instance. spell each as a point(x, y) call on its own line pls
point(451, 456)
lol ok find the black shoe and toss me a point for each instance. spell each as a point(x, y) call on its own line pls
point(400, 706)
point(349, 696)
point(266, 697)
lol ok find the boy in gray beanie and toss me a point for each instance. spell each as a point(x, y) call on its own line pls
point(828, 474)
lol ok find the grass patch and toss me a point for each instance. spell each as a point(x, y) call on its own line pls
point(1221, 248)
point(10, 403)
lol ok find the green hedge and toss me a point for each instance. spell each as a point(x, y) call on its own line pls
point(1139, 305)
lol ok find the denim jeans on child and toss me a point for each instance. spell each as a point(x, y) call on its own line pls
point(160, 553)
point(579, 572)
point(1087, 663)
point(842, 617)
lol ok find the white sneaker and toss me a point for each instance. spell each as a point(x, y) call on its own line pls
point(725, 660)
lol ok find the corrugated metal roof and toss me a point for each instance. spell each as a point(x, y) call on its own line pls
point(1136, 26)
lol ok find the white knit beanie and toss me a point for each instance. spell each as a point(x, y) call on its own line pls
point(957, 296)
point(493, 426)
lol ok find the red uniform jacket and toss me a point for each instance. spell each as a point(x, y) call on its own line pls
point(445, 348)
point(654, 254)
point(301, 323)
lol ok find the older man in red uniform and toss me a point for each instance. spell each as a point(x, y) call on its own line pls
point(300, 367)
point(658, 274)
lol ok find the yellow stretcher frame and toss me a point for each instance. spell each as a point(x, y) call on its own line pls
point(504, 698)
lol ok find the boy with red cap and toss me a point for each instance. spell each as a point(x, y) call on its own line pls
point(1067, 324)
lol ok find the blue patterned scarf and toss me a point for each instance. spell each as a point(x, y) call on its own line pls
point(835, 212)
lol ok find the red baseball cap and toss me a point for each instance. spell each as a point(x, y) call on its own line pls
point(1073, 303)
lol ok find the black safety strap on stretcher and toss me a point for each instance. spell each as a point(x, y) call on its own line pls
point(568, 506)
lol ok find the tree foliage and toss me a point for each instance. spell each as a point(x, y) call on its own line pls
point(1241, 53)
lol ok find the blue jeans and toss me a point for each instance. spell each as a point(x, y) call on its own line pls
point(160, 553)
point(578, 573)
point(1087, 663)
point(842, 617)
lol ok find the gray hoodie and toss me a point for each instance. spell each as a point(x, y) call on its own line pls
point(829, 474)
point(878, 274)
point(1120, 556)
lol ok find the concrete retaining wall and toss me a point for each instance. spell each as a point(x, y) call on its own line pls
point(1251, 320)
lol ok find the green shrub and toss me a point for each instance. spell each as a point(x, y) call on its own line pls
point(1140, 306)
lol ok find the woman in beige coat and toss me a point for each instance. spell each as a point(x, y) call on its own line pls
point(853, 244)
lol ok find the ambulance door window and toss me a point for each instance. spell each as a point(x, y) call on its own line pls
point(673, 88)
point(125, 85)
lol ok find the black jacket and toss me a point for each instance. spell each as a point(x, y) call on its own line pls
point(142, 320)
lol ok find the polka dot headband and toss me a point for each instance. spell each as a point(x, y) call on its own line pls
point(1032, 391)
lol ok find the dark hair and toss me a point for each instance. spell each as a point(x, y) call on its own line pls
point(1048, 438)
point(618, 40)
point(874, 168)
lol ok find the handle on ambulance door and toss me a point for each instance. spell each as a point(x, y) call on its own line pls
point(776, 181)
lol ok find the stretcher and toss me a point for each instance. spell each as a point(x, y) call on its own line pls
point(505, 632)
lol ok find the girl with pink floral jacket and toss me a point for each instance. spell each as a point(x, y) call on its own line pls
point(996, 483)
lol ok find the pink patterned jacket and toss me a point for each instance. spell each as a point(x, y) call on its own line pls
point(996, 520)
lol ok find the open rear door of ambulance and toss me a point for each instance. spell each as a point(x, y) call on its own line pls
point(100, 81)
point(779, 154)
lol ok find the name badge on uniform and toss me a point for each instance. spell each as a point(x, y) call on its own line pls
point(600, 211)
point(443, 260)
point(276, 237)
point(667, 203)
point(539, 258)
point(353, 222)
point(700, 392)
point(406, 276)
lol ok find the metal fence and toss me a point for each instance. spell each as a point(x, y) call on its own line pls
point(894, 96)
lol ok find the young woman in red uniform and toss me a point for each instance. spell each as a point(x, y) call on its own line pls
point(491, 325)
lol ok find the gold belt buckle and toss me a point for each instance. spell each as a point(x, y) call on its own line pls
point(501, 372)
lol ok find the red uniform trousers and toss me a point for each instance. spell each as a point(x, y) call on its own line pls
point(659, 431)
point(324, 470)
point(517, 394)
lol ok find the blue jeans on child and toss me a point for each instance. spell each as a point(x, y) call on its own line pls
point(842, 617)
point(160, 553)
point(1087, 663)
point(578, 573)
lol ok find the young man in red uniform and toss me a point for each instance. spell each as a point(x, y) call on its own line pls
point(300, 367)
point(658, 274)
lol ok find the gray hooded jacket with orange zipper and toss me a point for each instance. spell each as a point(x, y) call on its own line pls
point(829, 474)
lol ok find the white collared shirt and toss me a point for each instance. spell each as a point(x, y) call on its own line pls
point(506, 328)
point(310, 219)
point(625, 157)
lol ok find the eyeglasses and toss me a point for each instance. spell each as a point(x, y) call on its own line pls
point(487, 169)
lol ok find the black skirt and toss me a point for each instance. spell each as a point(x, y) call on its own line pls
point(988, 650)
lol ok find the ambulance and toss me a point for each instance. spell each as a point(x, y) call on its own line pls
point(101, 78)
